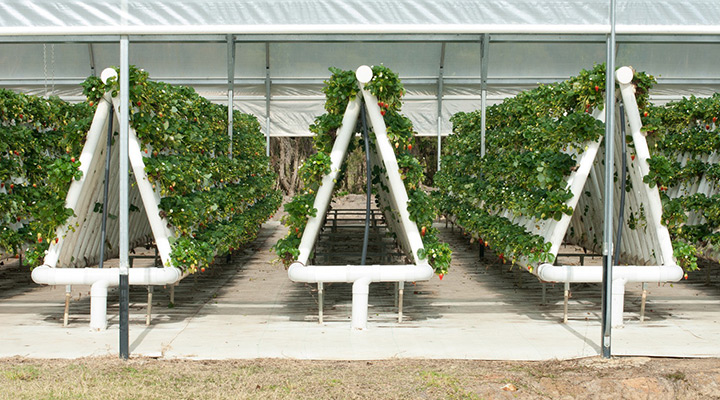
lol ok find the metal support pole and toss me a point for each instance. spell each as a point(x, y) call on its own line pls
point(106, 187)
point(484, 51)
point(401, 294)
point(91, 56)
point(68, 294)
point(320, 302)
point(609, 186)
point(440, 89)
point(149, 304)
point(231, 88)
point(566, 299)
point(124, 186)
point(267, 99)
point(643, 300)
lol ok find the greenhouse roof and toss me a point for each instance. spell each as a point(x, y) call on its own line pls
point(108, 17)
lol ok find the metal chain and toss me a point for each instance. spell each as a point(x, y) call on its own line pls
point(52, 68)
point(45, 68)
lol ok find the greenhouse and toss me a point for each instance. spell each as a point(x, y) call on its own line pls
point(265, 173)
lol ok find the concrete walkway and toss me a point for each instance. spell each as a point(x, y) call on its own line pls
point(248, 308)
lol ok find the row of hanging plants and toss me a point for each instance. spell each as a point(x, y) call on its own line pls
point(684, 139)
point(40, 144)
point(214, 200)
point(339, 90)
point(533, 140)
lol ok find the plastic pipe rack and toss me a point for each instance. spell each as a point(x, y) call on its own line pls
point(362, 276)
point(79, 197)
point(669, 271)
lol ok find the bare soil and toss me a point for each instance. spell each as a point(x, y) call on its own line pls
point(591, 378)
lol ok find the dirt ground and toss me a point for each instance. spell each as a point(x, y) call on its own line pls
point(590, 378)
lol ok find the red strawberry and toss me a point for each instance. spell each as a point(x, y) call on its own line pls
point(645, 114)
point(202, 269)
point(441, 276)
point(92, 104)
point(597, 88)
point(423, 231)
point(686, 276)
point(382, 112)
point(12, 186)
point(707, 127)
point(18, 219)
point(39, 240)
point(380, 104)
point(57, 240)
point(410, 147)
point(139, 103)
point(72, 159)
point(632, 157)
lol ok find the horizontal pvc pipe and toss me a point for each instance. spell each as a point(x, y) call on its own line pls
point(624, 77)
point(626, 273)
point(324, 193)
point(351, 273)
point(101, 279)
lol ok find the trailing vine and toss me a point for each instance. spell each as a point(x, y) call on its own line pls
point(40, 144)
point(215, 201)
point(339, 90)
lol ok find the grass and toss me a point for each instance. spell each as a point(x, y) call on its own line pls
point(103, 378)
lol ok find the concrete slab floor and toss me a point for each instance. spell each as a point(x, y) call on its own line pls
point(247, 308)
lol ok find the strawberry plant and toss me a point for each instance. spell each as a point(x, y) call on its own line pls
point(213, 200)
point(339, 90)
point(533, 141)
point(683, 138)
point(40, 141)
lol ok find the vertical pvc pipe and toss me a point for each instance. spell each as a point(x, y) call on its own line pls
point(360, 291)
point(68, 293)
point(368, 188)
point(124, 186)
point(607, 293)
point(440, 90)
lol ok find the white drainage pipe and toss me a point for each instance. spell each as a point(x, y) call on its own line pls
point(100, 280)
point(360, 276)
point(621, 275)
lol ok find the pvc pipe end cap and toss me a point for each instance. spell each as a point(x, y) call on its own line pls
point(364, 74)
point(107, 74)
point(624, 75)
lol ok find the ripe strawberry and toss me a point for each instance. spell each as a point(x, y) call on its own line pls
point(202, 269)
point(423, 231)
point(39, 240)
point(57, 240)
point(645, 114)
point(382, 112)
point(380, 104)
point(139, 103)
point(91, 104)
point(12, 186)
point(597, 88)
point(72, 159)
point(632, 157)
point(707, 127)
point(410, 147)
point(18, 219)
point(686, 276)
point(441, 276)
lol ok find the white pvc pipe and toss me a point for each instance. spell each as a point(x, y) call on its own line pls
point(621, 276)
point(361, 276)
point(624, 77)
point(392, 172)
point(100, 280)
point(97, 128)
point(324, 193)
